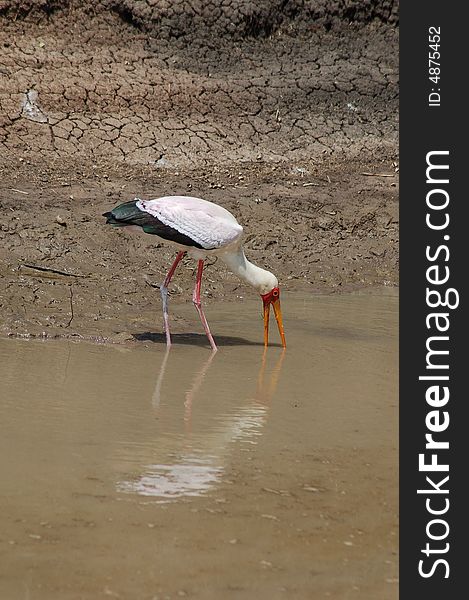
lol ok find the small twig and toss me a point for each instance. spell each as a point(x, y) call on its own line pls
point(71, 306)
point(379, 174)
point(49, 270)
point(210, 264)
point(148, 282)
point(308, 184)
point(19, 191)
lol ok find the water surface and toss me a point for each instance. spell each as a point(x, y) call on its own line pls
point(130, 472)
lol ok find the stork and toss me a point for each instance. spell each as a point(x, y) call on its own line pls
point(199, 228)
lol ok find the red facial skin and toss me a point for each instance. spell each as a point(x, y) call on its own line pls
point(274, 294)
point(273, 298)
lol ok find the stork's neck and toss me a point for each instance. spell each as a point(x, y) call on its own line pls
point(260, 279)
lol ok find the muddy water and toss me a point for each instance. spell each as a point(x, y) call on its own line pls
point(128, 472)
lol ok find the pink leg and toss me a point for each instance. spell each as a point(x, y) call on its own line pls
point(164, 296)
point(198, 304)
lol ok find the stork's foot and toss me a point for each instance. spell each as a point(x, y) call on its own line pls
point(198, 307)
point(164, 296)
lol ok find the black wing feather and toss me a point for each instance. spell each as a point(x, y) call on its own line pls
point(129, 214)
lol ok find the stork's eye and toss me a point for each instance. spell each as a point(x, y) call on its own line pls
point(275, 293)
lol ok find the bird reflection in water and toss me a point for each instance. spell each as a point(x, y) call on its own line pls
point(200, 463)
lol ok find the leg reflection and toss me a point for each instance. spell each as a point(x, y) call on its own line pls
point(194, 463)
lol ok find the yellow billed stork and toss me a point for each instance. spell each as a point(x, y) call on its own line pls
point(199, 228)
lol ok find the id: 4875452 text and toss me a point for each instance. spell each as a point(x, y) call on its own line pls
point(434, 66)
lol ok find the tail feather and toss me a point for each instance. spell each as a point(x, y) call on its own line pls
point(125, 214)
point(129, 214)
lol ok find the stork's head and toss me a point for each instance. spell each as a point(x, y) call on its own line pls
point(273, 298)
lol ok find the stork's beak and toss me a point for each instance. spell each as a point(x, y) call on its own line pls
point(273, 298)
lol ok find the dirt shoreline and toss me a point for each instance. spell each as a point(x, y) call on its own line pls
point(320, 230)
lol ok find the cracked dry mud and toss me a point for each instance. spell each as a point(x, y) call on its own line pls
point(283, 112)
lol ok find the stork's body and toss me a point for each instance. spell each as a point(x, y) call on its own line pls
point(199, 228)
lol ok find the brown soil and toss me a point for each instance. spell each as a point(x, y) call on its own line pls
point(278, 111)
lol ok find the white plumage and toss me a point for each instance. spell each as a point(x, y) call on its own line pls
point(208, 224)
